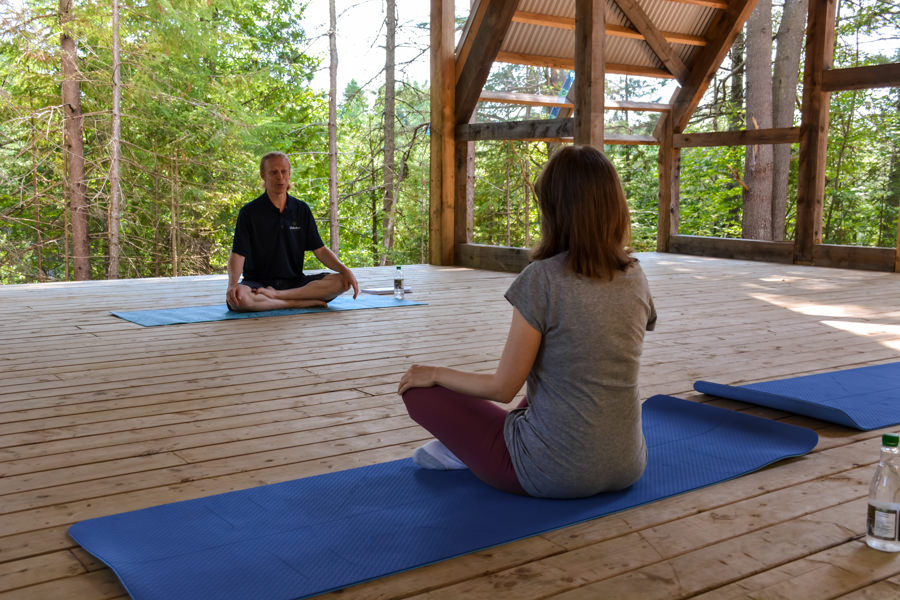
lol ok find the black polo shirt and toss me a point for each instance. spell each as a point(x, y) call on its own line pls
point(272, 242)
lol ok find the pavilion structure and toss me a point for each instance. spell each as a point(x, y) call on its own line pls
point(684, 40)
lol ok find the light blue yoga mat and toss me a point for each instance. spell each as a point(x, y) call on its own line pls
point(305, 537)
point(220, 312)
point(864, 398)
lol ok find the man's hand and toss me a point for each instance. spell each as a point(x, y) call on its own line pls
point(330, 260)
point(350, 280)
point(231, 296)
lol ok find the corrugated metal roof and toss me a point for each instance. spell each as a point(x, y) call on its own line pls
point(666, 15)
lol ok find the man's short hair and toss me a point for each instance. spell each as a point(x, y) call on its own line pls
point(267, 156)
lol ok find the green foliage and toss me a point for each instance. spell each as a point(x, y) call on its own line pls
point(208, 87)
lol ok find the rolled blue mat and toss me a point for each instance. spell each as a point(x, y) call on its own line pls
point(863, 398)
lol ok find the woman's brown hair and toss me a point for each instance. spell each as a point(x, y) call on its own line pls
point(584, 212)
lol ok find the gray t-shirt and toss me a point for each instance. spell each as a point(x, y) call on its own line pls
point(581, 432)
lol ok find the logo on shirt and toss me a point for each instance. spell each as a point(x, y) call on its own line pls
point(294, 227)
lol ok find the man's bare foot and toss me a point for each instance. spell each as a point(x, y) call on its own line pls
point(268, 292)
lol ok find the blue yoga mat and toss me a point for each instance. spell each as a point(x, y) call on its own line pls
point(305, 537)
point(220, 312)
point(865, 398)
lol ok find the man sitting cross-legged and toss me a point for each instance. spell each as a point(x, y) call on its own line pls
point(270, 238)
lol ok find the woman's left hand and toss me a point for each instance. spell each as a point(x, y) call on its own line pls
point(417, 376)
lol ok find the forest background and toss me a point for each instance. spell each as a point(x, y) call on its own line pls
point(130, 131)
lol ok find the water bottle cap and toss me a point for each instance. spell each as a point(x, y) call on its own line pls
point(890, 440)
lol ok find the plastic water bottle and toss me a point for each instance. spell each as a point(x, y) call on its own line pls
point(883, 522)
point(398, 283)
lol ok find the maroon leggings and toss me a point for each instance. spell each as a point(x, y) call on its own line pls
point(471, 427)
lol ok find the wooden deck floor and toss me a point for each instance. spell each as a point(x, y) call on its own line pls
point(99, 416)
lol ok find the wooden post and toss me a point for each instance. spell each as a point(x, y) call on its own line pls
point(464, 182)
point(590, 36)
point(669, 164)
point(443, 83)
point(814, 130)
point(464, 218)
point(897, 253)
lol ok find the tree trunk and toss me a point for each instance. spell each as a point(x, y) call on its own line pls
point(756, 220)
point(736, 95)
point(35, 198)
point(74, 148)
point(789, 42)
point(389, 141)
point(893, 195)
point(115, 214)
point(332, 132)
point(508, 237)
point(173, 216)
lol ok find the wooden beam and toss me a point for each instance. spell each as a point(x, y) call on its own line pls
point(518, 130)
point(568, 23)
point(854, 257)
point(897, 250)
point(654, 38)
point(487, 26)
point(860, 78)
point(561, 62)
point(720, 35)
point(784, 135)
point(762, 250)
point(814, 129)
point(543, 20)
point(541, 100)
point(442, 170)
point(637, 106)
point(523, 99)
point(672, 37)
point(590, 74)
point(557, 130)
point(492, 258)
point(719, 4)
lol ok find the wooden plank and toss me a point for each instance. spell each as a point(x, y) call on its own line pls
point(779, 252)
point(672, 37)
point(833, 571)
point(96, 435)
point(568, 23)
point(523, 99)
point(517, 130)
point(540, 129)
point(814, 129)
point(746, 137)
point(494, 258)
point(562, 62)
point(654, 38)
point(36, 569)
point(719, 4)
point(861, 78)
point(855, 257)
point(490, 19)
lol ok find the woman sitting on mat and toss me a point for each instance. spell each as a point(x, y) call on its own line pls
point(579, 315)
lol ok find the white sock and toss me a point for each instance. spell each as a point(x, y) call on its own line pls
point(435, 455)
